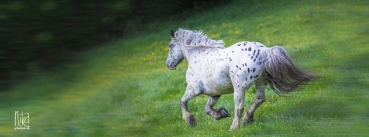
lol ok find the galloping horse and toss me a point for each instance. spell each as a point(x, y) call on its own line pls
point(215, 70)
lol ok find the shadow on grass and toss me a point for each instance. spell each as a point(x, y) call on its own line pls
point(345, 96)
point(318, 108)
point(356, 72)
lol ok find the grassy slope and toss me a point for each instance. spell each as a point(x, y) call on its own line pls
point(125, 89)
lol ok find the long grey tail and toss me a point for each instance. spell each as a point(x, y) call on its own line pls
point(280, 72)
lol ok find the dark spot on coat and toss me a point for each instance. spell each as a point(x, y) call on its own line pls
point(256, 76)
point(250, 77)
point(249, 48)
point(254, 60)
point(248, 70)
point(252, 57)
point(253, 70)
point(239, 45)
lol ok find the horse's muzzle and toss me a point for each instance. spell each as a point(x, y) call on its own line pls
point(171, 66)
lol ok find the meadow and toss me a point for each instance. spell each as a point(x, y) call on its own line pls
point(123, 88)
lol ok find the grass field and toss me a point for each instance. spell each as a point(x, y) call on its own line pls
point(123, 88)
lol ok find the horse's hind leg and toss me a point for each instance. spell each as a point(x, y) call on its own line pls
point(186, 114)
point(260, 98)
point(239, 96)
point(217, 114)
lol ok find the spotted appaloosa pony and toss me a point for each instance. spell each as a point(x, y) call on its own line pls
point(215, 70)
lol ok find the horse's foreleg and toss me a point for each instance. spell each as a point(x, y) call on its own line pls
point(186, 114)
point(217, 114)
point(260, 98)
point(239, 95)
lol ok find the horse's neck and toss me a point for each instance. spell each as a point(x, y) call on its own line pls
point(198, 53)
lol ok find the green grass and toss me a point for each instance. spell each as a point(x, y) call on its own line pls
point(123, 88)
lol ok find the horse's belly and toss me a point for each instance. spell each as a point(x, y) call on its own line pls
point(218, 86)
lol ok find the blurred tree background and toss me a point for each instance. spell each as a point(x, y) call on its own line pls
point(41, 35)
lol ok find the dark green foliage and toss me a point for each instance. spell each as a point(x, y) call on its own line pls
point(38, 35)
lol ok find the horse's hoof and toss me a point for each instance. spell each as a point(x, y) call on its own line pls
point(221, 113)
point(247, 121)
point(233, 127)
point(224, 112)
point(191, 121)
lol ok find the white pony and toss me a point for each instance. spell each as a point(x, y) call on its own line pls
point(215, 70)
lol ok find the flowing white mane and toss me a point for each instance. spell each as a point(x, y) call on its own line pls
point(193, 39)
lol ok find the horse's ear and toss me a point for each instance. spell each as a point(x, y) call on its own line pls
point(172, 33)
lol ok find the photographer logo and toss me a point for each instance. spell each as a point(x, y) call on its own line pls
point(21, 121)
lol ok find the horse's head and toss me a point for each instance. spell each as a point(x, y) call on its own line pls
point(175, 55)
